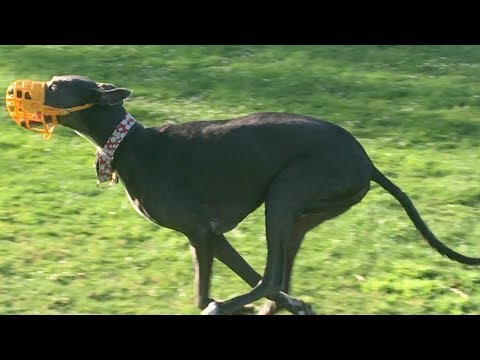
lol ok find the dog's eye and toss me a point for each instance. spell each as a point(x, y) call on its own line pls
point(52, 87)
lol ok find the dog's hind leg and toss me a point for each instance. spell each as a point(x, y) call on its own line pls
point(303, 224)
point(299, 189)
point(270, 307)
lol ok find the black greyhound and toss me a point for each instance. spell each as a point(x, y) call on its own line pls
point(203, 178)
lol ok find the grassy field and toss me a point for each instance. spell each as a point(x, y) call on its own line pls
point(67, 247)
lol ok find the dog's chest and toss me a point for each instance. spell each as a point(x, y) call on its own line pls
point(138, 207)
point(161, 205)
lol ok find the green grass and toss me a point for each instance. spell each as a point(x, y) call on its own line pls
point(68, 247)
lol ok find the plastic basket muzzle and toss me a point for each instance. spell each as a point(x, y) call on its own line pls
point(25, 100)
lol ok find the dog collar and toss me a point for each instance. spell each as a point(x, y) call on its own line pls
point(105, 171)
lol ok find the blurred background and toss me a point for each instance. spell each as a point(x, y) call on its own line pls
point(67, 247)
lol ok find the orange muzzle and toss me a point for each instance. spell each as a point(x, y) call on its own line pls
point(25, 100)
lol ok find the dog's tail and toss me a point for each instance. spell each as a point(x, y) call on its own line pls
point(407, 204)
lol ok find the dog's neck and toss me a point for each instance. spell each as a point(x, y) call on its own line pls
point(97, 126)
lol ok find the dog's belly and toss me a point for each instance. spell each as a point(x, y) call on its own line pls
point(222, 219)
point(174, 208)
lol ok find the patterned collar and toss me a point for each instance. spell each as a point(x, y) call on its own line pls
point(105, 170)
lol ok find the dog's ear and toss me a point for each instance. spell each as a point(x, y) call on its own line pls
point(106, 86)
point(109, 97)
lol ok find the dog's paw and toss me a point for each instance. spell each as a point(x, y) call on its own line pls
point(211, 309)
point(307, 310)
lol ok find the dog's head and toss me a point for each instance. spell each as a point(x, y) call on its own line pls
point(63, 92)
point(40, 106)
point(70, 91)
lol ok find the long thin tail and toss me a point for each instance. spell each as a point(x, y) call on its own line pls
point(413, 214)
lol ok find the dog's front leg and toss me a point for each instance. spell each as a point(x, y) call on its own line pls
point(202, 256)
